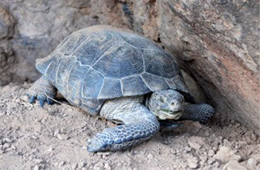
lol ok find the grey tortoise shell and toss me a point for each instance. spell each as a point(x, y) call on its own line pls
point(102, 62)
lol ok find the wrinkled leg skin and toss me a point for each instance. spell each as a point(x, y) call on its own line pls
point(43, 91)
point(198, 112)
point(138, 125)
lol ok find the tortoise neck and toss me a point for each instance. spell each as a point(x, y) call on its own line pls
point(121, 104)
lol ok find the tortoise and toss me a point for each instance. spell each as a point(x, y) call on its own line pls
point(122, 77)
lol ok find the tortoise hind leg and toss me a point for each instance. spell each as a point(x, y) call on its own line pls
point(138, 125)
point(42, 90)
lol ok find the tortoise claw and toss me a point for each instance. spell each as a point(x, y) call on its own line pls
point(50, 101)
point(32, 99)
point(169, 126)
point(42, 99)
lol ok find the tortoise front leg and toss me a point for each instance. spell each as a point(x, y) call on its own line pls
point(138, 125)
point(198, 112)
point(42, 90)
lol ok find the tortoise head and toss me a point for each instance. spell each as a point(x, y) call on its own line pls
point(166, 104)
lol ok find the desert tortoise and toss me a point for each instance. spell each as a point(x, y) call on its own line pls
point(120, 76)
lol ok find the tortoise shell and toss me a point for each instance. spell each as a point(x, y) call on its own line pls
point(102, 62)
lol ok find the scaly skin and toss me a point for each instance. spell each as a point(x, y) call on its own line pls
point(43, 91)
point(138, 125)
point(198, 112)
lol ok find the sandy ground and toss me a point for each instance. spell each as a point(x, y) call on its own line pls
point(54, 137)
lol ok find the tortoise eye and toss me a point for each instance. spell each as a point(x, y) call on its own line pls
point(172, 103)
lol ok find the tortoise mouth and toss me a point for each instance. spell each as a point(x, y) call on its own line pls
point(167, 114)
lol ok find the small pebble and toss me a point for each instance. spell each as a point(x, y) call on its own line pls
point(211, 153)
point(8, 149)
point(251, 163)
point(36, 167)
point(74, 166)
point(7, 140)
point(62, 137)
point(82, 164)
point(150, 156)
point(37, 160)
point(192, 162)
point(233, 165)
point(62, 163)
point(196, 142)
point(56, 132)
point(211, 161)
point(24, 98)
point(6, 145)
point(187, 149)
point(225, 154)
point(50, 149)
point(107, 166)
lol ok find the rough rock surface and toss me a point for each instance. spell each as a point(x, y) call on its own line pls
point(7, 60)
point(54, 137)
point(216, 41)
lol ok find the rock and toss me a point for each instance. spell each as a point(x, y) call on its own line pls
point(98, 166)
point(211, 153)
point(7, 60)
point(82, 164)
point(62, 136)
point(211, 161)
point(107, 166)
point(196, 142)
point(61, 164)
point(74, 166)
point(251, 163)
point(233, 165)
point(36, 160)
point(225, 154)
point(36, 167)
point(50, 149)
point(7, 23)
point(192, 162)
point(6, 145)
point(150, 156)
point(7, 140)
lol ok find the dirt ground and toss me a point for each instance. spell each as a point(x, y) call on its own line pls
point(54, 137)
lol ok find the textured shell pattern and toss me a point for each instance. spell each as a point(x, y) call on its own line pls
point(103, 63)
